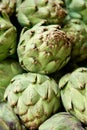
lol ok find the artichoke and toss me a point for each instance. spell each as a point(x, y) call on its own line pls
point(32, 12)
point(8, 36)
point(8, 69)
point(8, 119)
point(76, 9)
point(9, 6)
point(33, 97)
point(77, 31)
point(73, 88)
point(43, 49)
point(61, 121)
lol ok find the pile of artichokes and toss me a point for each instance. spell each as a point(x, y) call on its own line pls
point(43, 65)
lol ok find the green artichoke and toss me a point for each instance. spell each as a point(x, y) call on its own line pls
point(77, 31)
point(33, 97)
point(76, 9)
point(8, 119)
point(9, 6)
point(8, 69)
point(73, 88)
point(32, 12)
point(8, 37)
point(43, 49)
point(61, 121)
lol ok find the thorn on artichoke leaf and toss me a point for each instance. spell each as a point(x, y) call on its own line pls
point(12, 81)
point(46, 72)
point(31, 33)
point(45, 29)
point(71, 107)
point(61, 13)
point(26, 120)
point(10, 51)
point(22, 64)
point(41, 37)
point(64, 84)
point(35, 81)
point(36, 8)
point(24, 30)
point(82, 86)
point(46, 1)
point(83, 110)
point(35, 61)
point(48, 53)
point(54, 4)
point(42, 23)
point(83, 70)
point(14, 104)
point(21, 43)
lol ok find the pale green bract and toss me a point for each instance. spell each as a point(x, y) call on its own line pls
point(43, 49)
point(33, 97)
point(73, 88)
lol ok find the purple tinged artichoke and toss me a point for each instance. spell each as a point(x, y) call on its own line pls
point(61, 121)
point(8, 119)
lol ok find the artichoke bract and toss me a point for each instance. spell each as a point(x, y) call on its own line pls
point(32, 12)
point(9, 6)
point(77, 31)
point(8, 36)
point(61, 121)
point(8, 119)
point(43, 49)
point(33, 97)
point(73, 88)
point(8, 69)
point(76, 9)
